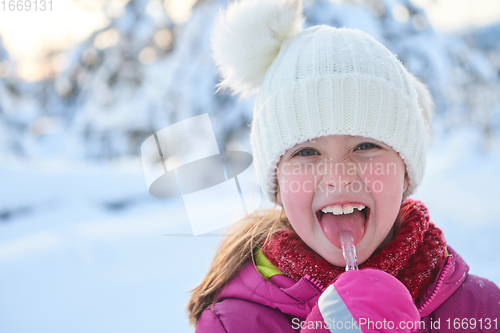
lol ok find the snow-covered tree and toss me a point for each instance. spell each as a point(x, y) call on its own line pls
point(143, 72)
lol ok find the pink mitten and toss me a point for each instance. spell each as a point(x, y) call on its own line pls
point(368, 300)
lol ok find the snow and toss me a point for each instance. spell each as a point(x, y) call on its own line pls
point(461, 188)
point(85, 248)
point(91, 251)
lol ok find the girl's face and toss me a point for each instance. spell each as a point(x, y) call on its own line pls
point(345, 172)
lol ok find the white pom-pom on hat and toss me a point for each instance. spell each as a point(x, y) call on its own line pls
point(247, 38)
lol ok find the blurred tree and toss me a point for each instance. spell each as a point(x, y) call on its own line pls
point(144, 72)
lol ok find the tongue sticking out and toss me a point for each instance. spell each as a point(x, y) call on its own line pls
point(334, 225)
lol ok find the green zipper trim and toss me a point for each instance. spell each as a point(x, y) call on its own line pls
point(264, 266)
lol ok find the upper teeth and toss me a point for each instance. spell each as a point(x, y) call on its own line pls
point(339, 209)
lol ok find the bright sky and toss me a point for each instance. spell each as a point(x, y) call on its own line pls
point(453, 15)
point(27, 34)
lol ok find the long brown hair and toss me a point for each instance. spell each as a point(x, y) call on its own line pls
point(235, 250)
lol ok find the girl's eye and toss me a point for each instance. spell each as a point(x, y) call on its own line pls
point(306, 152)
point(366, 146)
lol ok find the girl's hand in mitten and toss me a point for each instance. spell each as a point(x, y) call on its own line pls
point(368, 300)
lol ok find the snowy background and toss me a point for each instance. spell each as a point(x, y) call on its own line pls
point(85, 248)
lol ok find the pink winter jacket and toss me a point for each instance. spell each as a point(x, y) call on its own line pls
point(455, 302)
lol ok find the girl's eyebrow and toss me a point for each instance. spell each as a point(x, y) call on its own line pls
point(305, 143)
point(363, 139)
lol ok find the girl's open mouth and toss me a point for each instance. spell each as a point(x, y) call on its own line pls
point(334, 224)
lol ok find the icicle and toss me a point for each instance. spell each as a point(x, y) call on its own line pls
point(349, 251)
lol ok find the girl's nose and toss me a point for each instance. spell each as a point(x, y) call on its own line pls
point(338, 178)
point(339, 181)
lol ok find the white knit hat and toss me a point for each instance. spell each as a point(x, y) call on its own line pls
point(316, 82)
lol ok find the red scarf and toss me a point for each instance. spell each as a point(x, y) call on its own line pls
point(414, 256)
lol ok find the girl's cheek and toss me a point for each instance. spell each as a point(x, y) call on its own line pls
point(381, 184)
point(308, 184)
point(297, 185)
point(381, 175)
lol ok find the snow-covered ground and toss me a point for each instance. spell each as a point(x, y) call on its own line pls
point(87, 249)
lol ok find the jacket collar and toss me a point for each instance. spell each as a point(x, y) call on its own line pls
point(297, 298)
point(450, 277)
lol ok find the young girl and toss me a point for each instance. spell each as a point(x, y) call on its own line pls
point(339, 141)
